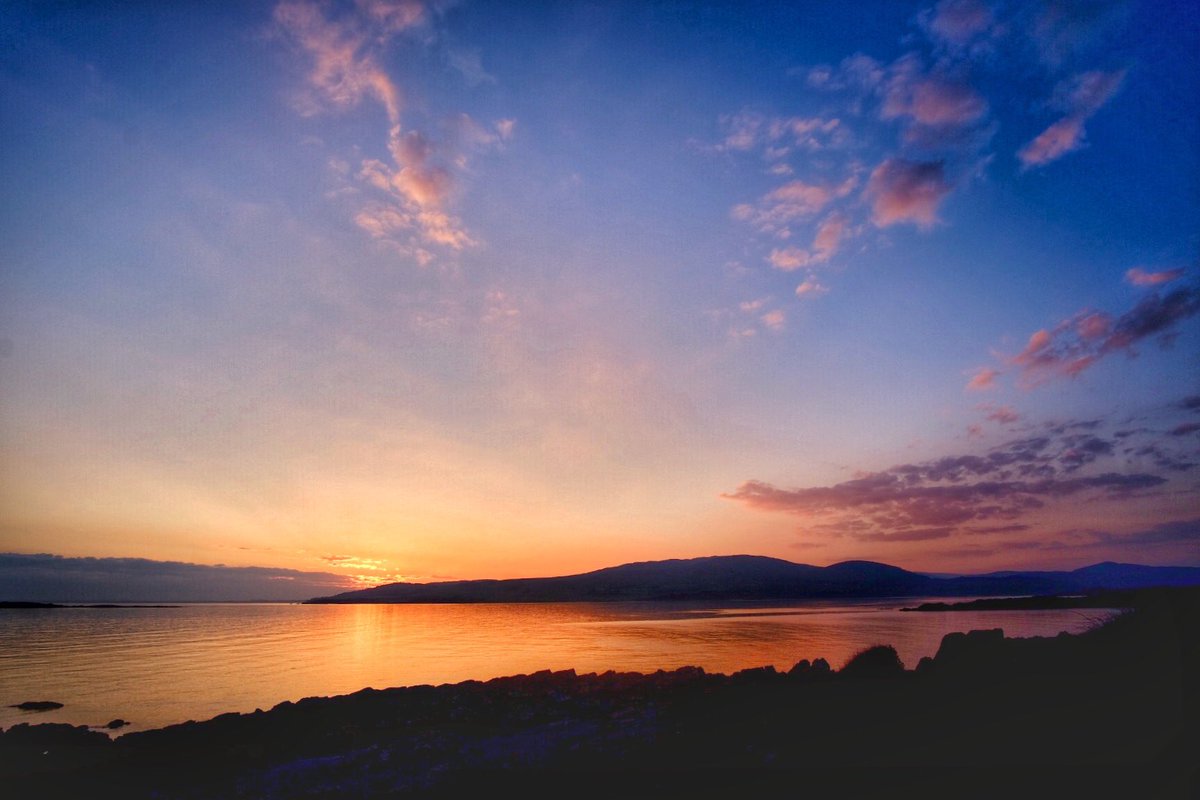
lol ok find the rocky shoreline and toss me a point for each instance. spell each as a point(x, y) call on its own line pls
point(1109, 712)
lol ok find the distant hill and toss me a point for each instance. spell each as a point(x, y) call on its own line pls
point(753, 578)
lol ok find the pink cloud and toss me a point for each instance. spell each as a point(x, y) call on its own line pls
point(774, 320)
point(932, 101)
point(789, 258)
point(810, 288)
point(959, 21)
point(1077, 343)
point(1139, 277)
point(1081, 97)
point(343, 70)
point(1053, 143)
point(1002, 414)
point(394, 15)
point(344, 46)
point(999, 487)
point(907, 191)
point(794, 201)
point(829, 236)
point(983, 379)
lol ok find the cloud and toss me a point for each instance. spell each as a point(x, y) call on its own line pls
point(829, 236)
point(1001, 414)
point(793, 201)
point(983, 379)
point(973, 494)
point(774, 320)
point(789, 258)
point(776, 136)
point(393, 16)
point(344, 71)
point(858, 72)
point(52, 578)
point(1061, 28)
point(1081, 97)
point(1079, 342)
point(915, 535)
point(416, 182)
point(907, 191)
point(957, 22)
point(1176, 531)
point(1139, 277)
point(1051, 144)
point(810, 288)
point(933, 101)
point(469, 63)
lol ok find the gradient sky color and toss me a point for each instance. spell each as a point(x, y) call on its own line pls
point(420, 290)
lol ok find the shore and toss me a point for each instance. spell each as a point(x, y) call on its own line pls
point(1110, 712)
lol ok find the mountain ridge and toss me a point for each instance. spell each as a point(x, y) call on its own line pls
point(755, 578)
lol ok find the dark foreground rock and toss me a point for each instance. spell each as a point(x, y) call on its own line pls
point(1110, 713)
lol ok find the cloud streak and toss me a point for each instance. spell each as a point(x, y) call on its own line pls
point(415, 183)
point(970, 494)
point(1081, 97)
point(1078, 343)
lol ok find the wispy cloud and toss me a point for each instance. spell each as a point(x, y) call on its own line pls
point(1140, 277)
point(794, 201)
point(415, 183)
point(810, 288)
point(1079, 342)
point(1062, 28)
point(1004, 415)
point(939, 498)
point(931, 100)
point(957, 22)
point(983, 379)
point(344, 70)
point(1081, 98)
point(774, 320)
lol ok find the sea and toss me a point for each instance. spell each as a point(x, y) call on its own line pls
point(159, 666)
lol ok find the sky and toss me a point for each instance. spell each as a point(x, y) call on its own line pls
point(419, 290)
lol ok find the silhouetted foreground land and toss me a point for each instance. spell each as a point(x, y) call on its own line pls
point(1113, 712)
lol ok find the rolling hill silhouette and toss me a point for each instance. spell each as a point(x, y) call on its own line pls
point(754, 578)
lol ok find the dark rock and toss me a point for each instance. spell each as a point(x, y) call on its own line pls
point(881, 661)
point(38, 705)
point(802, 668)
point(977, 648)
point(755, 674)
point(116, 724)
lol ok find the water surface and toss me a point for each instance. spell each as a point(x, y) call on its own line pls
point(157, 666)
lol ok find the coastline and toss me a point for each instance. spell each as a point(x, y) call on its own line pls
point(1114, 707)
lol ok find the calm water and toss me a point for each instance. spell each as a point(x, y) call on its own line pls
point(157, 666)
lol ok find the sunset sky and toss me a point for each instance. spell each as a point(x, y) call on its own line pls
point(424, 290)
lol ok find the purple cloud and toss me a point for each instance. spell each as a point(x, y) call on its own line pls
point(907, 191)
point(973, 494)
point(1079, 342)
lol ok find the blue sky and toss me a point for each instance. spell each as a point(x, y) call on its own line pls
point(418, 290)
